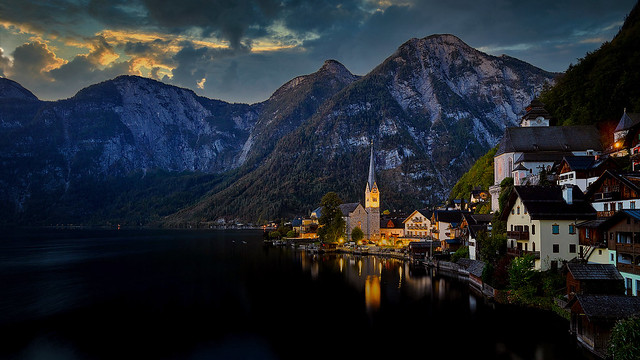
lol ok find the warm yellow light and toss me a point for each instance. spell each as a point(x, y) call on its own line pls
point(617, 145)
point(341, 240)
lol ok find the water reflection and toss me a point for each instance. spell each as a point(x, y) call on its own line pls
point(372, 292)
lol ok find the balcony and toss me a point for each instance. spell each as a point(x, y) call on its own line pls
point(518, 235)
point(515, 252)
point(628, 268)
point(606, 196)
point(605, 214)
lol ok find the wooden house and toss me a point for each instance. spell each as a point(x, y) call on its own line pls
point(471, 225)
point(593, 279)
point(594, 316)
point(583, 170)
point(391, 229)
point(623, 237)
point(592, 241)
point(445, 225)
point(613, 191)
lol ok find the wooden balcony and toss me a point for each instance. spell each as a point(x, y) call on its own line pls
point(606, 196)
point(515, 252)
point(518, 235)
point(628, 268)
point(605, 214)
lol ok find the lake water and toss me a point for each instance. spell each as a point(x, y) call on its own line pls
point(171, 294)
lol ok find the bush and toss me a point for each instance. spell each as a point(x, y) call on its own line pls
point(461, 253)
point(625, 339)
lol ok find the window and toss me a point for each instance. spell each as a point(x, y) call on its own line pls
point(518, 211)
point(556, 248)
point(599, 252)
point(637, 287)
point(586, 233)
point(555, 229)
point(572, 248)
point(525, 210)
point(632, 204)
point(533, 229)
point(619, 206)
point(572, 229)
point(606, 207)
point(513, 211)
point(533, 245)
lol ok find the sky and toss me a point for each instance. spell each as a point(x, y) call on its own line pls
point(243, 50)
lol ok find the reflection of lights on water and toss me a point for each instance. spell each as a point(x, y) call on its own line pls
point(359, 267)
point(400, 276)
point(380, 269)
point(372, 292)
point(441, 291)
point(341, 264)
point(472, 304)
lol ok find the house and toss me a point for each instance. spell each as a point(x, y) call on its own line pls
point(593, 316)
point(623, 236)
point(613, 191)
point(541, 220)
point(471, 225)
point(445, 226)
point(417, 226)
point(391, 229)
point(592, 242)
point(625, 135)
point(366, 217)
point(479, 195)
point(538, 147)
point(583, 170)
point(593, 279)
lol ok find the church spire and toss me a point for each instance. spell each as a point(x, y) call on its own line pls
point(371, 181)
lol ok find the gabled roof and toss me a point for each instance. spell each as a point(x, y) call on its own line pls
point(627, 121)
point(607, 307)
point(424, 212)
point(620, 215)
point(549, 138)
point(547, 203)
point(474, 267)
point(449, 216)
point(594, 272)
point(397, 222)
point(348, 208)
point(477, 219)
point(535, 110)
point(630, 180)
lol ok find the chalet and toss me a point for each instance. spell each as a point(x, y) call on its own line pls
point(594, 316)
point(592, 241)
point(391, 228)
point(541, 220)
point(472, 224)
point(540, 146)
point(613, 191)
point(623, 237)
point(583, 170)
point(593, 279)
point(417, 226)
point(445, 226)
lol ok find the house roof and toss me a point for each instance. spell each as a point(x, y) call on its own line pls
point(630, 180)
point(535, 110)
point(348, 208)
point(607, 307)
point(547, 203)
point(318, 212)
point(424, 212)
point(545, 156)
point(473, 219)
point(627, 121)
point(474, 267)
point(449, 216)
point(619, 215)
point(594, 271)
point(396, 221)
point(520, 167)
point(549, 138)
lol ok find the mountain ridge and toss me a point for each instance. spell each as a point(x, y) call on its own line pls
point(432, 107)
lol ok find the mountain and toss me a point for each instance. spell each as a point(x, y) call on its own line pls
point(603, 83)
point(134, 150)
point(431, 109)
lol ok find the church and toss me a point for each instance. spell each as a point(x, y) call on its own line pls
point(366, 217)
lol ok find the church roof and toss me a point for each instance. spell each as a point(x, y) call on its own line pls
point(535, 110)
point(348, 208)
point(549, 138)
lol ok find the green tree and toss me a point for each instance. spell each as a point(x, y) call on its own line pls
point(332, 224)
point(357, 234)
point(461, 253)
point(521, 272)
point(274, 234)
point(291, 234)
point(506, 186)
point(625, 339)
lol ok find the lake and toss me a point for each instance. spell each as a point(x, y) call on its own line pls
point(207, 294)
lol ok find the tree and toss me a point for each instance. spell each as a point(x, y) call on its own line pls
point(332, 225)
point(625, 339)
point(461, 253)
point(357, 234)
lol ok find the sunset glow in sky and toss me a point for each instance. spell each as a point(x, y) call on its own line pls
point(243, 50)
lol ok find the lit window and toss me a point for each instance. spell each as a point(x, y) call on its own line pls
point(555, 229)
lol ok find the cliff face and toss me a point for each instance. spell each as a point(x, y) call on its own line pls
point(431, 108)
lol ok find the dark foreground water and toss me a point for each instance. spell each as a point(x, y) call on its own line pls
point(109, 294)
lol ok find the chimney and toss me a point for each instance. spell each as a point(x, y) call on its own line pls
point(567, 194)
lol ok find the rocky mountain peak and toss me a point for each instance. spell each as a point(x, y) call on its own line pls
point(10, 89)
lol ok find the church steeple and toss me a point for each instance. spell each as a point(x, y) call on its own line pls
point(371, 180)
point(371, 193)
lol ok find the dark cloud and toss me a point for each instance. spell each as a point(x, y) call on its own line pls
point(5, 64)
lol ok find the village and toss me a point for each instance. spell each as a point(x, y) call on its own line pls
point(561, 202)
